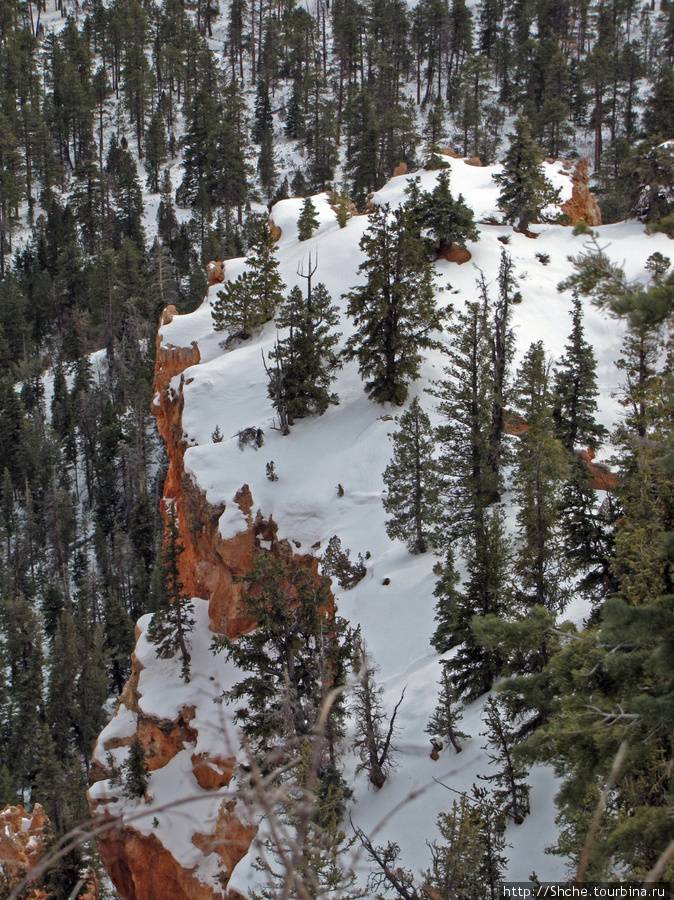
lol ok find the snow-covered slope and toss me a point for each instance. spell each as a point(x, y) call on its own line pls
point(350, 446)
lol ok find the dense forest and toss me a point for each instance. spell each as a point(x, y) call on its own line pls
point(138, 141)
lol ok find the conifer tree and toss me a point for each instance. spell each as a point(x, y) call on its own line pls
point(450, 601)
point(298, 651)
point(264, 264)
point(525, 189)
point(434, 133)
point(469, 862)
point(394, 312)
point(306, 363)
point(239, 309)
point(575, 389)
point(411, 480)
point(511, 792)
point(308, 220)
point(136, 773)
point(541, 469)
point(443, 723)
point(465, 400)
point(155, 150)
point(474, 666)
point(172, 621)
point(448, 220)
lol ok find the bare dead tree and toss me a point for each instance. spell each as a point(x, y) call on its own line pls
point(374, 735)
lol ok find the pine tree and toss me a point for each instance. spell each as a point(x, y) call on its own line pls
point(443, 723)
point(308, 220)
point(264, 265)
point(474, 666)
point(173, 621)
point(511, 794)
point(469, 863)
point(465, 403)
point(298, 651)
point(155, 150)
point(135, 771)
point(434, 134)
point(575, 389)
point(239, 309)
point(394, 312)
point(525, 189)
point(541, 469)
point(411, 480)
point(305, 361)
point(448, 220)
point(450, 601)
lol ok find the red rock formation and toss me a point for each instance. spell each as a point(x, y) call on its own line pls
point(601, 477)
point(139, 865)
point(400, 169)
point(582, 207)
point(216, 272)
point(275, 230)
point(23, 841)
point(455, 253)
point(142, 869)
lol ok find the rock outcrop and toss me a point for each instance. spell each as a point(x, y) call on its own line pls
point(23, 842)
point(136, 857)
point(216, 272)
point(582, 206)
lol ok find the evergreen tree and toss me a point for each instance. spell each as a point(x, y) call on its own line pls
point(474, 666)
point(450, 600)
point(394, 313)
point(411, 480)
point(511, 794)
point(264, 265)
point(173, 621)
point(448, 221)
point(239, 309)
point(298, 651)
point(465, 400)
point(306, 363)
point(525, 189)
point(541, 468)
point(155, 150)
point(575, 389)
point(469, 863)
point(443, 723)
point(308, 220)
point(136, 773)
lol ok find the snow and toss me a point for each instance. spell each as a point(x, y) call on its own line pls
point(178, 808)
point(349, 446)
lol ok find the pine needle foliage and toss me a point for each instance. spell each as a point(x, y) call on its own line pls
point(525, 189)
point(412, 482)
point(394, 312)
point(172, 621)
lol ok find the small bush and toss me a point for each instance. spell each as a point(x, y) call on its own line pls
point(216, 436)
point(250, 437)
point(337, 564)
point(271, 471)
point(543, 258)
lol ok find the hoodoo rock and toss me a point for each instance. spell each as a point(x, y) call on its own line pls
point(216, 272)
point(582, 206)
point(23, 842)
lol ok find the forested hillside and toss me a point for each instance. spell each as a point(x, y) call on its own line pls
point(139, 141)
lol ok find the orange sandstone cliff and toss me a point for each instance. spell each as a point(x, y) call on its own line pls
point(138, 862)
